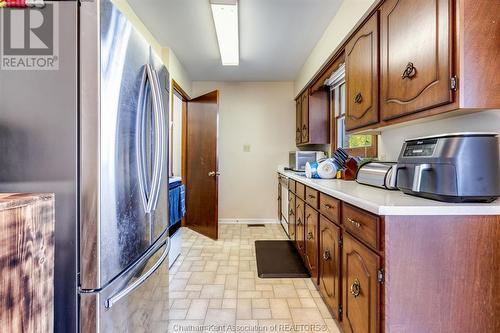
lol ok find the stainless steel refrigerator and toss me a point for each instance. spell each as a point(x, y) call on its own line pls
point(95, 133)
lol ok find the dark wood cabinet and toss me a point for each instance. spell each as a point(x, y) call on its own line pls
point(329, 264)
point(298, 121)
point(312, 118)
point(299, 225)
point(398, 273)
point(305, 117)
point(311, 241)
point(361, 57)
point(415, 56)
point(291, 215)
point(360, 288)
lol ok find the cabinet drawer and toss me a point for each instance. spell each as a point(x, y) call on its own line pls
point(291, 185)
point(361, 224)
point(312, 197)
point(329, 207)
point(300, 190)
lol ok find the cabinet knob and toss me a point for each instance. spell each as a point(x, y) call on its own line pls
point(310, 235)
point(358, 98)
point(326, 255)
point(409, 71)
point(356, 288)
point(354, 223)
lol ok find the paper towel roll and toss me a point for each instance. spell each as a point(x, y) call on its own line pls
point(312, 170)
point(327, 169)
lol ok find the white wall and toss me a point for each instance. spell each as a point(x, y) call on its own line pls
point(259, 114)
point(391, 140)
point(349, 13)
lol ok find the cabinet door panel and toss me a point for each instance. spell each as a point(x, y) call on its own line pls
point(362, 76)
point(305, 117)
point(360, 287)
point(299, 231)
point(311, 240)
point(298, 121)
point(415, 56)
point(291, 215)
point(329, 264)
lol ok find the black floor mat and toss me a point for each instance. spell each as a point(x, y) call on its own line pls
point(279, 259)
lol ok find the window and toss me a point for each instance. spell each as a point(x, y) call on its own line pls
point(356, 145)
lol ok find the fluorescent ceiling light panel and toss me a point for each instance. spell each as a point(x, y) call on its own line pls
point(225, 14)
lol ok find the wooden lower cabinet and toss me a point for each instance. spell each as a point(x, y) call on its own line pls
point(291, 215)
point(329, 264)
point(360, 287)
point(311, 241)
point(299, 222)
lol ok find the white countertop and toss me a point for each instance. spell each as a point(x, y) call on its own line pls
point(385, 202)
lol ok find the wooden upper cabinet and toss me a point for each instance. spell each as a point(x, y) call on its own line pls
point(305, 117)
point(361, 289)
point(362, 76)
point(298, 119)
point(415, 56)
point(313, 118)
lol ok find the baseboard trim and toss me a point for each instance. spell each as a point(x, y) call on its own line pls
point(248, 221)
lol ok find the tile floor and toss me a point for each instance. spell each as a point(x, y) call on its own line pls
point(214, 288)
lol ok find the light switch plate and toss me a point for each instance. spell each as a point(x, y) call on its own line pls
point(246, 148)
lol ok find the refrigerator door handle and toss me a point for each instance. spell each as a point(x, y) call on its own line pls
point(159, 138)
point(140, 151)
point(129, 289)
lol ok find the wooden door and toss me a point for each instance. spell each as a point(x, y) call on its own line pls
point(291, 215)
point(298, 121)
point(362, 76)
point(299, 234)
point(201, 164)
point(415, 56)
point(311, 241)
point(329, 264)
point(361, 290)
point(305, 117)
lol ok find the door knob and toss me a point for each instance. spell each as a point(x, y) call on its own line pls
point(213, 174)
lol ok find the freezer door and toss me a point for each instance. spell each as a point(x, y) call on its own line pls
point(136, 301)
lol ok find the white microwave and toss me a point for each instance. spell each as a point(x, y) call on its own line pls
point(298, 159)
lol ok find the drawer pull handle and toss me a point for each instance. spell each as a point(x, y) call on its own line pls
point(290, 213)
point(358, 98)
point(409, 71)
point(299, 222)
point(354, 223)
point(308, 216)
point(328, 206)
point(310, 235)
point(356, 288)
point(311, 196)
point(326, 255)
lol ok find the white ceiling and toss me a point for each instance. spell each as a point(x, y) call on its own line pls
point(276, 36)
